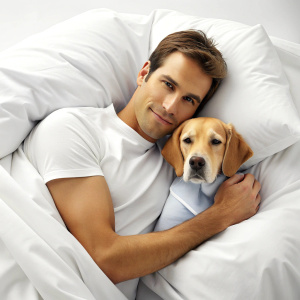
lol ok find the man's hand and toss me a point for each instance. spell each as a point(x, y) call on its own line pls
point(238, 198)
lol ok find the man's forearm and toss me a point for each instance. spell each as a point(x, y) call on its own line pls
point(135, 256)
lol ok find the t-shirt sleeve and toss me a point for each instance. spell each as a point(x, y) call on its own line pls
point(64, 145)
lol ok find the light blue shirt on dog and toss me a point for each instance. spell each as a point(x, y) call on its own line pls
point(186, 200)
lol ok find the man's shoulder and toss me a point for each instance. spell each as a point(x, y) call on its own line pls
point(68, 128)
point(78, 116)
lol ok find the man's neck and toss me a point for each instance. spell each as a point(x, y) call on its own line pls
point(127, 115)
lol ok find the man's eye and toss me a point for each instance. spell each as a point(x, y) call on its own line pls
point(187, 140)
point(216, 142)
point(168, 84)
point(188, 99)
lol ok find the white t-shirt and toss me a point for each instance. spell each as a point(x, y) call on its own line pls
point(81, 142)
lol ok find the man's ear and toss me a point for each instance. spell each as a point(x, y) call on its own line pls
point(143, 73)
point(236, 153)
point(172, 152)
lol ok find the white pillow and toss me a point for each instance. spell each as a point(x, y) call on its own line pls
point(94, 58)
point(289, 54)
point(255, 96)
point(90, 60)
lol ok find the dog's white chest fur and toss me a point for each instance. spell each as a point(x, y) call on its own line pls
point(187, 199)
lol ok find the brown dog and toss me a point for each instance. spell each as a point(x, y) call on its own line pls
point(202, 148)
point(199, 150)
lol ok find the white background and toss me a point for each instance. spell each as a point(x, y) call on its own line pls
point(20, 19)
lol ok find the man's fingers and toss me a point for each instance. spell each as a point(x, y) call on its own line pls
point(256, 186)
point(257, 202)
point(236, 178)
point(258, 199)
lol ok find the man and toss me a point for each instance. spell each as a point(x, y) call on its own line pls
point(108, 179)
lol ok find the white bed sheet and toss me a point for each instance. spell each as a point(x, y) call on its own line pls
point(39, 258)
point(256, 259)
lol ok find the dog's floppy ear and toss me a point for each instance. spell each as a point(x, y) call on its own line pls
point(172, 153)
point(236, 153)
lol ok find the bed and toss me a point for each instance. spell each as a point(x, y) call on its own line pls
point(82, 55)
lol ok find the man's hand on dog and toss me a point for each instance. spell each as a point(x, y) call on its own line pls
point(238, 198)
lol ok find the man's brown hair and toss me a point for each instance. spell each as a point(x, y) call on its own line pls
point(196, 45)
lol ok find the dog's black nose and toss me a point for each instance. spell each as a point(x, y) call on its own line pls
point(197, 162)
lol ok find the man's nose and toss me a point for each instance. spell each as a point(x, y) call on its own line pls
point(170, 104)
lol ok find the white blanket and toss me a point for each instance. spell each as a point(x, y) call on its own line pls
point(37, 253)
point(256, 259)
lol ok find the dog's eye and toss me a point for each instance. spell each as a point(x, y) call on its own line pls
point(187, 140)
point(216, 142)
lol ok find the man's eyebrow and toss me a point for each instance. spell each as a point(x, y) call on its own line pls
point(197, 98)
point(171, 80)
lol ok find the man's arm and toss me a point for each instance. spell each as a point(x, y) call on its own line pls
point(86, 207)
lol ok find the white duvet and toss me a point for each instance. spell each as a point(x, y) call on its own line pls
point(256, 259)
point(39, 258)
point(84, 62)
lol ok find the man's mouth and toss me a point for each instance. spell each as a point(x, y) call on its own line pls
point(161, 119)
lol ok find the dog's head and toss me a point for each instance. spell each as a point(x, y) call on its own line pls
point(201, 148)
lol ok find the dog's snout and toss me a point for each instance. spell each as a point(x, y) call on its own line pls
point(197, 162)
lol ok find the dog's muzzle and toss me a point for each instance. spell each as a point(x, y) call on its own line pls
point(197, 169)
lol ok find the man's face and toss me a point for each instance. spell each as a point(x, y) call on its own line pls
point(170, 96)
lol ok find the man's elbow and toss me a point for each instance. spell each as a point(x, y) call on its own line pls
point(111, 268)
